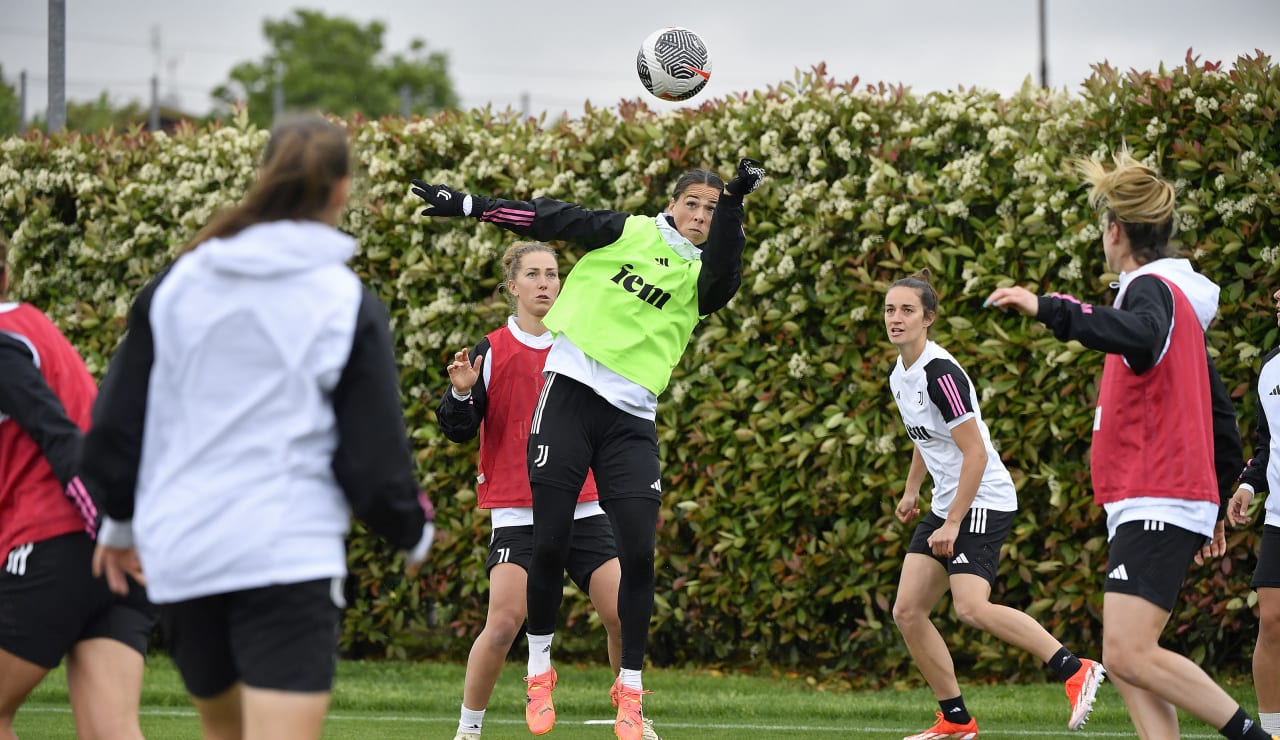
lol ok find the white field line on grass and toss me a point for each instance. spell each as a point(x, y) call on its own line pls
point(658, 724)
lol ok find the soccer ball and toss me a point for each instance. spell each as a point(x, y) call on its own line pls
point(673, 63)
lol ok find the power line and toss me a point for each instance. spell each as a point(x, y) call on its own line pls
point(121, 41)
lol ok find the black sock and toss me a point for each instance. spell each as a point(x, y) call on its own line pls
point(953, 711)
point(1243, 727)
point(1064, 664)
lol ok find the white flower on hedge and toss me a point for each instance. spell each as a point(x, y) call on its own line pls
point(798, 365)
point(679, 389)
point(885, 444)
point(1220, 182)
point(1156, 128)
point(867, 243)
point(1248, 102)
point(989, 393)
point(896, 213)
point(1205, 106)
point(1073, 271)
point(956, 209)
point(1269, 255)
point(1003, 241)
point(861, 121)
point(1247, 159)
point(786, 266)
point(859, 313)
point(915, 224)
point(1002, 138)
point(1032, 168)
point(750, 327)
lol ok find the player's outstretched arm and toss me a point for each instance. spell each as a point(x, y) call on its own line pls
point(544, 219)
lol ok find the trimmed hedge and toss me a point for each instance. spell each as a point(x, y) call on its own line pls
point(783, 453)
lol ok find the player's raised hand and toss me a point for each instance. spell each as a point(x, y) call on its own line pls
point(463, 373)
point(1019, 299)
point(442, 200)
point(750, 174)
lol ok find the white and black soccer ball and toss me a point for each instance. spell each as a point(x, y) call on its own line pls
point(673, 63)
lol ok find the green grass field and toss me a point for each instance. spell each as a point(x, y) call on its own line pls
point(420, 700)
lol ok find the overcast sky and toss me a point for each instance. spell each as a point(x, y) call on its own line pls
point(561, 53)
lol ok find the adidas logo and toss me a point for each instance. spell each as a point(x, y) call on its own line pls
point(1275, 391)
point(960, 560)
point(657, 485)
point(1119, 573)
point(662, 261)
point(954, 710)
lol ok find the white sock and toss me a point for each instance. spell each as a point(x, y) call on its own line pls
point(631, 679)
point(539, 653)
point(1270, 721)
point(471, 720)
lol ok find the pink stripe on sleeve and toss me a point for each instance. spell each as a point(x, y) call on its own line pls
point(84, 502)
point(949, 389)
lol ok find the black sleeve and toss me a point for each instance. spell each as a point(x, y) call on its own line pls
point(1228, 450)
point(113, 445)
point(721, 274)
point(1138, 331)
point(546, 219)
point(1255, 470)
point(28, 400)
point(372, 462)
point(460, 420)
point(948, 389)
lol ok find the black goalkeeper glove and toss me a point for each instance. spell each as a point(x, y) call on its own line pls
point(442, 200)
point(750, 174)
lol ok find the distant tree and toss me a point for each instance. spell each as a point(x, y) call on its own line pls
point(8, 107)
point(335, 65)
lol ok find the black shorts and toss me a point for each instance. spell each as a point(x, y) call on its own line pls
point(977, 547)
point(1149, 559)
point(592, 546)
point(1267, 574)
point(49, 601)
point(574, 429)
point(276, 637)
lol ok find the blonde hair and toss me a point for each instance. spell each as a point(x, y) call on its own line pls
point(511, 261)
point(1134, 195)
point(305, 159)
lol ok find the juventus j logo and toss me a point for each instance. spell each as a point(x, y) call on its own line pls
point(541, 458)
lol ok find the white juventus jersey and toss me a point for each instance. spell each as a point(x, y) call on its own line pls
point(934, 396)
point(1263, 471)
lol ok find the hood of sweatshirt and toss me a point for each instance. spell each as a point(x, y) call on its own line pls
point(1199, 290)
point(277, 248)
point(674, 239)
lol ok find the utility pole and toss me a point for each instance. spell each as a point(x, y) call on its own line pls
point(153, 120)
point(57, 118)
point(1044, 60)
point(277, 91)
point(22, 102)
